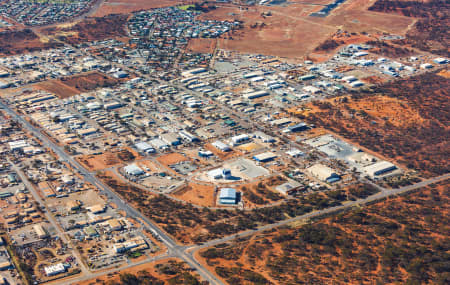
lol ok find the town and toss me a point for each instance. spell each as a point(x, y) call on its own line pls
point(123, 151)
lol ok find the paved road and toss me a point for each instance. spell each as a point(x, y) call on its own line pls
point(49, 216)
point(111, 270)
point(165, 238)
point(375, 197)
point(186, 252)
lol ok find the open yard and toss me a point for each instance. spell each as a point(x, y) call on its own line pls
point(106, 160)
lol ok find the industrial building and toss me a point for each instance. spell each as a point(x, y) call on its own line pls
point(240, 139)
point(55, 269)
point(221, 146)
point(298, 127)
point(379, 168)
point(171, 139)
point(263, 137)
point(289, 187)
point(220, 173)
point(40, 231)
point(133, 169)
point(228, 196)
point(159, 144)
point(323, 173)
point(265, 157)
point(144, 147)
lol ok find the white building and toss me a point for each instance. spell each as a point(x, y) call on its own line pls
point(323, 173)
point(133, 169)
point(221, 146)
point(240, 139)
point(55, 269)
point(379, 168)
point(219, 173)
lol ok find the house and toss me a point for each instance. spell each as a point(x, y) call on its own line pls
point(115, 225)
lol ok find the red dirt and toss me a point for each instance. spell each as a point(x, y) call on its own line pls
point(201, 45)
point(129, 6)
point(23, 41)
point(106, 160)
point(171, 158)
point(91, 29)
point(197, 194)
point(73, 85)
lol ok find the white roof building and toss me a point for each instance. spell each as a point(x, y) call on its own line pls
point(133, 169)
point(221, 146)
point(379, 168)
point(54, 269)
point(323, 173)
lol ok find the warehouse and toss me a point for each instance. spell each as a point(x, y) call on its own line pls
point(188, 136)
point(40, 231)
point(144, 147)
point(228, 196)
point(133, 169)
point(159, 144)
point(240, 139)
point(289, 187)
point(171, 139)
point(298, 127)
point(56, 269)
point(220, 173)
point(221, 146)
point(379, 168)
point(323, 173)
point(263, 137)
point(265, 157)
point(256, 94)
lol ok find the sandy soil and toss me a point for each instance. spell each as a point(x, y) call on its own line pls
point(291, 32)
point(73, 85)
point(287, 33)
point(201, 45)
point(149, 267)
point(197, 194)
point(128, 6)
point(104, 160)
point(171, 158)
point(22, 41)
